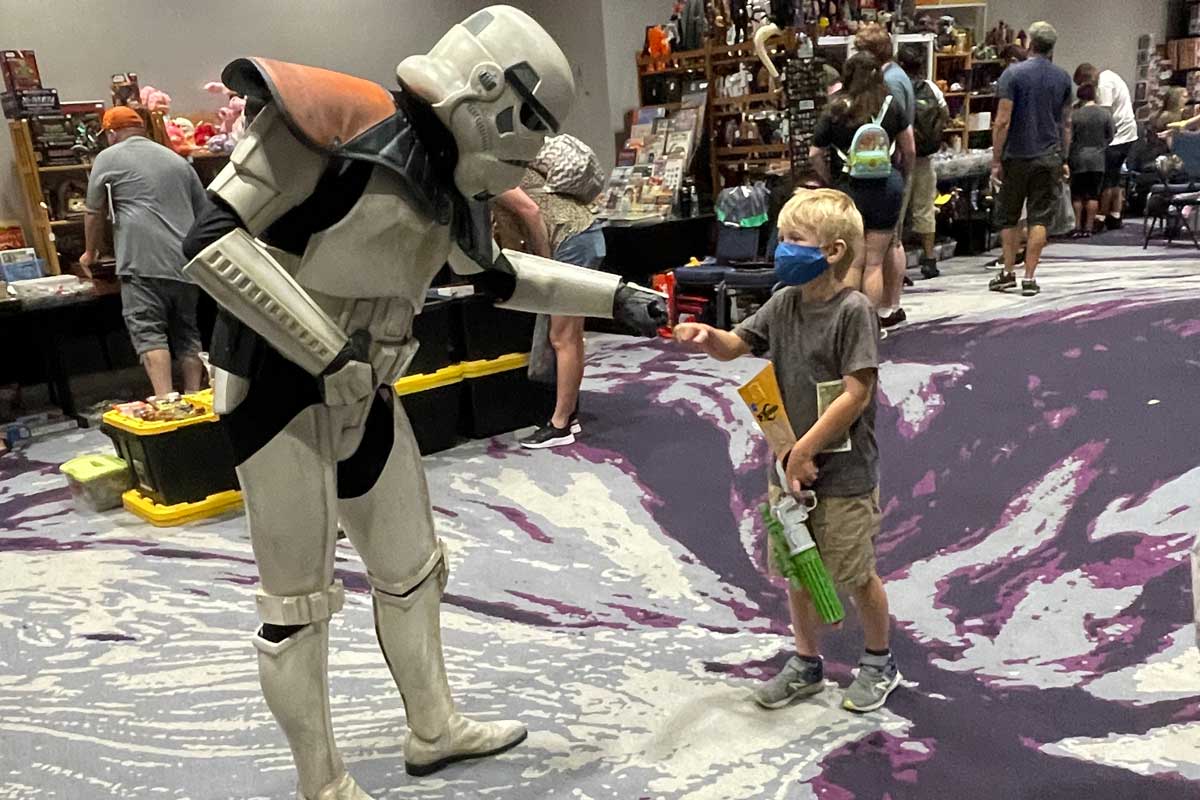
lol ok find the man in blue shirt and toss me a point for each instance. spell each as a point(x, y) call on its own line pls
point(1031, 138)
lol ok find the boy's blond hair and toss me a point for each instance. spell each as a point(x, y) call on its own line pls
point(828, 215)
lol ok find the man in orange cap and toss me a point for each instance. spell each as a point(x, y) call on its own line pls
point(152, 196)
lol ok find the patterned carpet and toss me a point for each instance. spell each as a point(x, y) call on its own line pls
point(1040, 476)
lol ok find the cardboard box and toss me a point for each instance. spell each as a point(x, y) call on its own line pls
point(26, 103)
point(20, 70)
point(125, 89)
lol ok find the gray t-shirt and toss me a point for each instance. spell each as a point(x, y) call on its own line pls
point(156, 197)
point(814, 345)
point(900, 85)
point(1092, 131)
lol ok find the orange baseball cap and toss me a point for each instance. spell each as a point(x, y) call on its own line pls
point(120, 117)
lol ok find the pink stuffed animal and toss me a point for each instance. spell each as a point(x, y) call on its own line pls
point(155, 100)
point(232, 118)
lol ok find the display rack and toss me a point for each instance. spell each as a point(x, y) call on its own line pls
point(663, 80)
point(975, 98)
point(42, 227)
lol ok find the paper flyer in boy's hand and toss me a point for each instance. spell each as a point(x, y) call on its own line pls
point(765, 400)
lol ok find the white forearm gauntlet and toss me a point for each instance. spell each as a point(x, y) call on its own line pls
point(241, 276)
point(545, 286)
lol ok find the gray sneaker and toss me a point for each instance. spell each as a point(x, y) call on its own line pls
point(796, 679)
point(874, 682)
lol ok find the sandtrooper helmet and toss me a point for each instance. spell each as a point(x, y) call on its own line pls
point(500, 84)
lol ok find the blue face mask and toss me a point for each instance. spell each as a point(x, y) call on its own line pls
point(797, 264)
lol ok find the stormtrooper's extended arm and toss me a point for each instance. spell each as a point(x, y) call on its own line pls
point(524, 282)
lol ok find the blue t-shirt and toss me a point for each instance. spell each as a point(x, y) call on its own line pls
point(1039, 91)
point(901, 87)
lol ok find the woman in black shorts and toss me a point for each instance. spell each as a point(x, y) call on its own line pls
point(1091, 134)
point(878, 200)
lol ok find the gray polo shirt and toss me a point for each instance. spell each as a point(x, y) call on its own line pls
point(156, 197)
point(813, 345)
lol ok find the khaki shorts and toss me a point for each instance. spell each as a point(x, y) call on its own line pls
point(844, 529)
point(924, 193)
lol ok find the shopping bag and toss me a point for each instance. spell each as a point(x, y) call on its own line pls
point(543, 365)
point(1064, 215)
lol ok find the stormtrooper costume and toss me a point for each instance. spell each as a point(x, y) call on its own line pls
point(338, 207)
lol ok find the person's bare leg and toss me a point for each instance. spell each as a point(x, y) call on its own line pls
point(929, 244)
point(806, 623)
point(1108, 203)
point(193, 373)
point(893, 277)
point(1118, 202)
point(873, 280)
point(158, 367)
point(566, 337)
point(1010, 241)
point(872, 603)
point(854, 275)
point(1033, 249)
point(1078, 206)
point(1091, 209)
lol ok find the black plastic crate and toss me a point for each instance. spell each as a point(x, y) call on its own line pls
point(435, 328)
point(499, 397)
point(490, 332)
point(174, 462)
point(433, 403)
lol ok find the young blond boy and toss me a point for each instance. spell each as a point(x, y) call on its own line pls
point(816, 330)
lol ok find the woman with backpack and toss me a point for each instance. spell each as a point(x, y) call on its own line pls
point(864, 146)
point(550, 215)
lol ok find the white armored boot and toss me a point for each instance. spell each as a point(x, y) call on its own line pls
point(409, 631)
point(295, 683)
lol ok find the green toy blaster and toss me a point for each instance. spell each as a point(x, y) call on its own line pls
point(792, 544)
point(796, 554)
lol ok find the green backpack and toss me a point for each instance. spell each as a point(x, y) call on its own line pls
point(870, 155)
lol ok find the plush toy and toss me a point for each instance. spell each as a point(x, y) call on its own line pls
point(231, 115)
point(181, 131)
point(155, 100)
point(204, 132)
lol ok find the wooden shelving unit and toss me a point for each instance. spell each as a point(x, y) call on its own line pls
point(41, 228)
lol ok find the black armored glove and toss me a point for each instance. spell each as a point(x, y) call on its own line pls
point(641, 310)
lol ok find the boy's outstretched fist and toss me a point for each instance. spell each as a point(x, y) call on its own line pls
point(693, 333)
point(719, 344)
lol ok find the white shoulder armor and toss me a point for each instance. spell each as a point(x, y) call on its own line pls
point(269, 172)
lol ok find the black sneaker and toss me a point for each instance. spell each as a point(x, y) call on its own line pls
point(1113, 223)
point(929, 268)
point(1100, 225)
point(1003, 282)
point(893, 319)
point(548, 436)
point(1029, 288)
point(908, 281)
point(573, 424)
